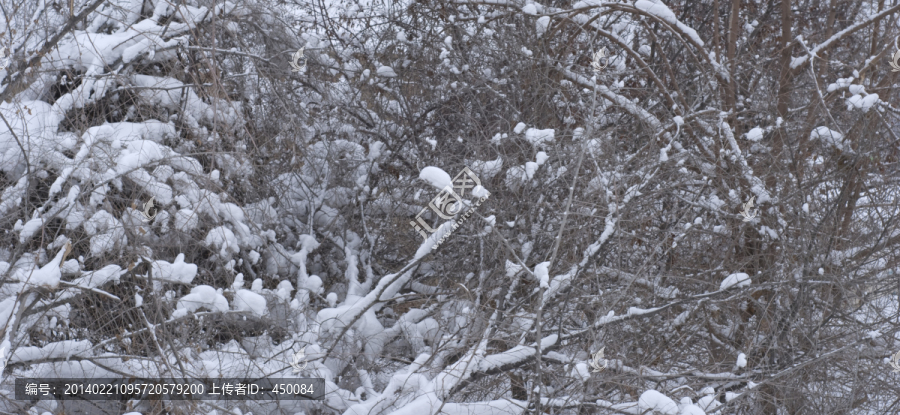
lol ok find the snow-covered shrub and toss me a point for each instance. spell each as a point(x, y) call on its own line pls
point(282, 204)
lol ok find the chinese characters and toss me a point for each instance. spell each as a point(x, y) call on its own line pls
point(448, 203)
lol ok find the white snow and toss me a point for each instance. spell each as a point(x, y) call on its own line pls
point(708, 403)
point(94, 279)
point(238, 282)
point(313, 284)
point(769, 231)
point(542, 24)
point(245, 300)
point(639, 311)
point(254, 257)
point(856, 89)
point(486, 169)
point(860, 102)
point(530, 168)
point(108, 241)
point(512, 355)
point(755, 134)
point(516, 176)
point(201, 296)
point(137, 154)
point(328, 195)
point(741, 360)
point(106, 232)
point(7, 306)
point(436, 176)
point(740, 279)
point(688, 408)
point(46, 276)
point(658, 9)
point(30, 228)
point(539, 137)
point(222, 240)
point(828, 136)
point(284, 290)
point(559, 282)
point(186, 220)
point(581, 370)
point(841, 83)
point(512, 268)
point(681, 319)
point(386, 71)
point(653, 400)
point(69, 267)
point(541, 271)
point(178, 272)
point(56, 350)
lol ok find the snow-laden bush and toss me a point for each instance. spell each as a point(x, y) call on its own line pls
point(285, 205)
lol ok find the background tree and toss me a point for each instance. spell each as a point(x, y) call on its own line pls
point(284, 201)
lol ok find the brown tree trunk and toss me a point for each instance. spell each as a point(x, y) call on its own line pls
point(874, 46)
point(784, 79)
point(716, 47)
point(731, 89)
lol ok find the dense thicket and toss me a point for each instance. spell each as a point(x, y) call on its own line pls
point(617, 219)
